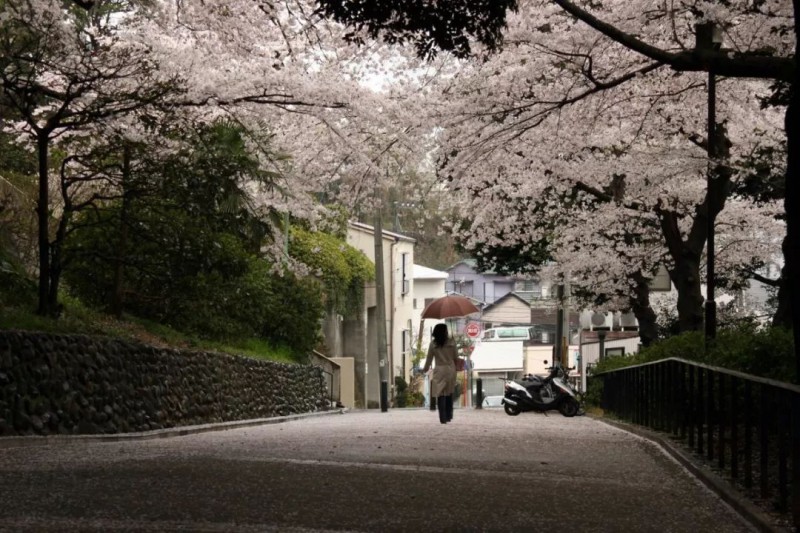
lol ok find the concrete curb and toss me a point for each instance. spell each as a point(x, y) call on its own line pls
point(758, 518)
point(180, 431)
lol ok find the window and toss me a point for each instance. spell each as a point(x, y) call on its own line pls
point(507, 333)
point(405, 283)
point(415, 304)
point(527, 285)
point(406, 340)
point(513, 333)
point(467, 288)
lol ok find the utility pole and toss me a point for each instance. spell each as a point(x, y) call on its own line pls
point(558, 355)
point(711, 304)
point(708, 37)
point(565, 327)
point(380, 314)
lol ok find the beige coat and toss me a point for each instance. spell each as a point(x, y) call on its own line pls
point(443, 382)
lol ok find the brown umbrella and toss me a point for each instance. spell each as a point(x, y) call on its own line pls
point(451, 306)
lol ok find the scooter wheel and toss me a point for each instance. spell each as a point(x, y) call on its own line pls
point(511, 410)
point(569, 408)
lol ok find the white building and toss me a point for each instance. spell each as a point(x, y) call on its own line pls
point(429, 284)
point(398, 258)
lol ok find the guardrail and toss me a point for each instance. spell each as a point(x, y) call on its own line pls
point(742, 424)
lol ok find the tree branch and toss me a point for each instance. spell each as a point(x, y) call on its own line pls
point(722, 62)
point(765, 280)
point(604, 196)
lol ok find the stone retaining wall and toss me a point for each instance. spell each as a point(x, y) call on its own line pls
point(75, 384)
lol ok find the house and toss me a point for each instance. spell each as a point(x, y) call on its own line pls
point(429, 284)
point(464, 278)
point(511, 309)
point(357, 336)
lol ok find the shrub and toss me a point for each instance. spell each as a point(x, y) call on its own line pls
point(400, 391)
point(766, 352)
point(341, 268)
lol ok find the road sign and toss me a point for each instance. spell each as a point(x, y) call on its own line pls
point(473, 329)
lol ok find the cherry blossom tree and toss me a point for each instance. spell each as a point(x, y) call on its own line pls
point(74, 70)
point(509, 118)
point(611, 45)
point(60, 75)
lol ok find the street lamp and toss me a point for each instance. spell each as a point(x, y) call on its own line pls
point(708, 38)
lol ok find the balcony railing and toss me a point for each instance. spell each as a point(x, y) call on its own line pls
point(743, 425)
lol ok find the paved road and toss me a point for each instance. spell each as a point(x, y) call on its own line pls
point(363, 471)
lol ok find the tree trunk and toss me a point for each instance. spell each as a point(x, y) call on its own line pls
point(117, 293)
point(687, 254)
point(57, 248)
point(792, 250)
point(685, 273)
point(686, 277)
point(783, 312)
point(643, 311)
point(43, 212)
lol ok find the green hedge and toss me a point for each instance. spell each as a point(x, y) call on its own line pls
point(766, 352)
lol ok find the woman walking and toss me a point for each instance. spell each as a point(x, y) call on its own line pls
point(443, 383)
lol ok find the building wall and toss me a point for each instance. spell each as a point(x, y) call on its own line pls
point(462, 280)
point(399, 288)
point(590, 351)
point(539, 358)
point(401, 312)
point(511, 311)
point(487, 288)
point(354, 344)
point(425, 290)
point(347, 388)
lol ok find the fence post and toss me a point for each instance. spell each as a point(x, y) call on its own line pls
point(796, 458)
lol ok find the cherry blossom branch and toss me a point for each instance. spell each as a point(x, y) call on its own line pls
point(740, 65)
point(606, 197)
point(264, 98)
point(519, 128)
point(765, 280)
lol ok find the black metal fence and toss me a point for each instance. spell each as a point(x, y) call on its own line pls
point(741, 424)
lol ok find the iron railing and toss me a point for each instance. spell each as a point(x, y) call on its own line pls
point(741, 424)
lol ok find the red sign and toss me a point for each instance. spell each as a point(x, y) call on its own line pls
point(473, 329)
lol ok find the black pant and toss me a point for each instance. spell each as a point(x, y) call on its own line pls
point(445, 406)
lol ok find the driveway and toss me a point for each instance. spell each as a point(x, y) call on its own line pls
point(362, 471)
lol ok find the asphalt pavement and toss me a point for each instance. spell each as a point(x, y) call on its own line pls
point(399, 470)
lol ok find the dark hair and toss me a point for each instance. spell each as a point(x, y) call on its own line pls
point(440, 334)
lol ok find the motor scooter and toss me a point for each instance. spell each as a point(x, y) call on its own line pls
point(541, 394)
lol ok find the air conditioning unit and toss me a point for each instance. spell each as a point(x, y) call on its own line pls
point(602, 320)
point(627, 320)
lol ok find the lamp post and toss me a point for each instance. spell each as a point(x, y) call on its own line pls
point(708, 38)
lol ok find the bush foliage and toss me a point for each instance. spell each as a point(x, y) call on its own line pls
point(764, 352)
point(341, 268)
